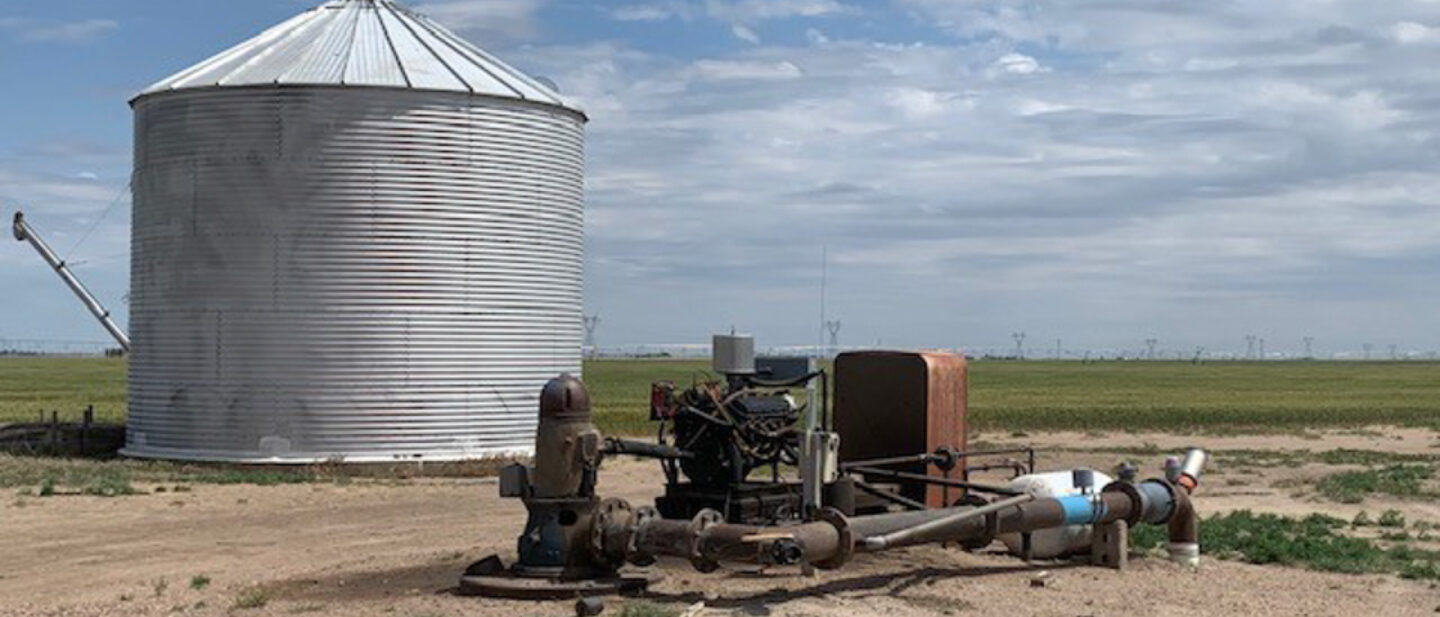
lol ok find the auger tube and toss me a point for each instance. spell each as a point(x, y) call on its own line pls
point(25, 233)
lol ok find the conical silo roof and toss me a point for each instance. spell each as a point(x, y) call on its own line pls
point(363, 43)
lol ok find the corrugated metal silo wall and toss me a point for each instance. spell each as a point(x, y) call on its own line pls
point(362, 274)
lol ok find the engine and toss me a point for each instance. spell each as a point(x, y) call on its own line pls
point(729, 428)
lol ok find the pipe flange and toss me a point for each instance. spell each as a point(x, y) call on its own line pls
point(703, 520)
point(844, 547)
point(633, 554)
point(1137, 499)
point(613, 517)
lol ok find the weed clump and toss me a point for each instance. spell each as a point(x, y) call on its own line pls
point(1312, 542)
point(254, 597)
point(1394, 480)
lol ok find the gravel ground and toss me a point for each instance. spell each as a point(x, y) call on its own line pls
point(396, 548)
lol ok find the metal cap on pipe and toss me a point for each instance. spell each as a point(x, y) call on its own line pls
point(19, 226)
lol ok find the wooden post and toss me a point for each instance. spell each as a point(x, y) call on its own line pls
point(85, 423)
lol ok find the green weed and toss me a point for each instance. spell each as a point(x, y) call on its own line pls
point(1394, 480)
point(1313, 542)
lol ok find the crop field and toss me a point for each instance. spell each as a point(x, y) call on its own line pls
point(1004, 395)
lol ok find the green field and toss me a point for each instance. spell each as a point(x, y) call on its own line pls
point(1004, 396)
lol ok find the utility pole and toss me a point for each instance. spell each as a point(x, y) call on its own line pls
point(833, 328)
point(1150, 344)
point(1059, 350)
point(1309, 350)
point(1019, 345)
point(591, 323)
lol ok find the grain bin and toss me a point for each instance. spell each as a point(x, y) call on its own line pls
point(356, 237)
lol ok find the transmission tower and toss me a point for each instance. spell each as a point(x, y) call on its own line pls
point(1262, 348)
point(1393, 354)
point(1059, 349)
point(591, 323)
point(1250, 346)
point(1150, 344)
point(1019, 345)
point(1309, 349)
point(1367, 347)
point(833, 328)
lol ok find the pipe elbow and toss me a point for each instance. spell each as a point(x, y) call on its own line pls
point(1184, 532)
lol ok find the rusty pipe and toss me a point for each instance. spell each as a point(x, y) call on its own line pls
point(832, 540)
point(875, 543)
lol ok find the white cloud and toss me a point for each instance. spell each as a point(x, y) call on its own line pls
point(642, 12)
point(1279, 165)
point(750, 11)
point(744, 15)
point(35, 31)
point(816, 37)
point(1406, 32)
point(486, 20)
point(1015, 64)
point(917, 102)
point(719, 70)
point(745, 33)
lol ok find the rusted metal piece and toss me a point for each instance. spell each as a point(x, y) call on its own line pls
point(892, 404)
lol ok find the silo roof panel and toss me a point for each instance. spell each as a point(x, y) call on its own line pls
point(368, 43)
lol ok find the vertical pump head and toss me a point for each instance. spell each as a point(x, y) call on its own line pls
point(567, 444)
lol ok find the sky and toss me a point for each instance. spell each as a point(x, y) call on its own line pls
point(1095, 171)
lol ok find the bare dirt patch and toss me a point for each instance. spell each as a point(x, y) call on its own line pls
point(396, 548)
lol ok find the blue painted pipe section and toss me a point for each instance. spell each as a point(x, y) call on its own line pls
point(1081, 509)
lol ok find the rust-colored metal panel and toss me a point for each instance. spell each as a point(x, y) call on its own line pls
point(890, 403)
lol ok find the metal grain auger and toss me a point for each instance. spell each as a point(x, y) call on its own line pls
point(575, 543)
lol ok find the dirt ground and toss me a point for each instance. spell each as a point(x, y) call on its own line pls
point(396, 548)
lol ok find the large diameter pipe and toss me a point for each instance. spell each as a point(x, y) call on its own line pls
point(833, 541)
point(25, 233)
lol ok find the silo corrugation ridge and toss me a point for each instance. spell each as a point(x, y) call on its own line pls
point(367, 274)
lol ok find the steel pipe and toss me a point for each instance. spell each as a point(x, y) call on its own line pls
point(876, 543)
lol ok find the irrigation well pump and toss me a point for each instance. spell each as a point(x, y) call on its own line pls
point(575, 543)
